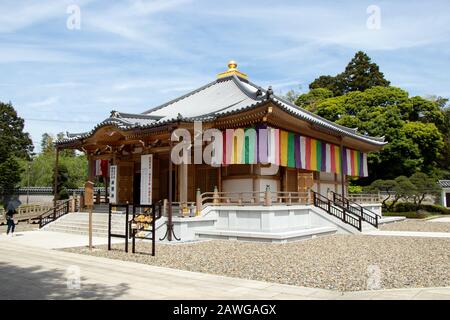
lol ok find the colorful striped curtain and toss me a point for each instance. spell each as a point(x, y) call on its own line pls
point(269, 145)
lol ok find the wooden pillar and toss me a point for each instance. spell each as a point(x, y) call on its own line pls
point(90, 168)
point(342, 169)
point(183, 182)
point(169, 214)
point(55, 189)
point(219, 178)
point(318, 182)
point(335, 183)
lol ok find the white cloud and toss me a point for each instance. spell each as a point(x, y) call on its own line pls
point(44, 103)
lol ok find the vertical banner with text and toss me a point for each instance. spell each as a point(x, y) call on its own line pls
point(113, 184)
point(146, 178)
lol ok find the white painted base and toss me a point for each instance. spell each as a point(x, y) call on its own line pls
point(282, 236)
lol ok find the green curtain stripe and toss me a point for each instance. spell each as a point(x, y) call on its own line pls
point(319, 154)
point(291, 150)
point(246, 149)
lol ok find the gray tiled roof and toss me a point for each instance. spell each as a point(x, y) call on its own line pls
point(219, 98)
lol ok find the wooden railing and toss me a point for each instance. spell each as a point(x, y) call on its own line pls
point(62, 208)
point(266, 198)
point(342, 213)
point(366, 214)
point(364, 197)
point(28, 212)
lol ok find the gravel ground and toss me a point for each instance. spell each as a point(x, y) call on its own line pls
point(338, 262)
point(417, 225)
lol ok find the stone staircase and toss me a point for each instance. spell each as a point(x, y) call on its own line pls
point(78, 223)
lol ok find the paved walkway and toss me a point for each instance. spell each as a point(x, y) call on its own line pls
point(408, 234)
point(55, 240)
point(443, 219)
point(28, 272)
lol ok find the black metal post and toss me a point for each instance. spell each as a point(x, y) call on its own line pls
point(126, 227)
point(109, 227)
point(153, 230)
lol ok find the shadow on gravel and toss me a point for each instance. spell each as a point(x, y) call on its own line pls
point(34, 283)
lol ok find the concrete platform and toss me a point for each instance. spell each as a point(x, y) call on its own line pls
point(274, 236)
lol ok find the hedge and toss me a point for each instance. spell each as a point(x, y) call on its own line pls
point(408, 207)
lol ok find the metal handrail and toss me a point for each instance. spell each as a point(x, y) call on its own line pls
point(54, 213)
point(366, 214)
point(341, 213)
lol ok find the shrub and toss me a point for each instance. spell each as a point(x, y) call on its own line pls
point(405, 207)
point(63, 194)
point(409, 207)
point(435, 208)
point(408, 214)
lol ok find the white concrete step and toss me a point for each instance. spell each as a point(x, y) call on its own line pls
point(384, 220)
point(269, 236)
point(78, 223)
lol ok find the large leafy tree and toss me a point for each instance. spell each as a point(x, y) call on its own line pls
point(72, 168)
point(408, 124)
point(360, 74)
point(14, 144)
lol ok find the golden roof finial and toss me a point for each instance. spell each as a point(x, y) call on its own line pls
point(232, 65)
point(232, 70)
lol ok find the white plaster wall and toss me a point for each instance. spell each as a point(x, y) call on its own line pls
point(324, 187)
point(275, 218)
point(374, 207)
point(445, 191)
point(326, 176)
point(273, 184)
point(185, 228)
point(237, 185)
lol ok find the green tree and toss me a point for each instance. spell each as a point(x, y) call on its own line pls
point(360, 74)
point(423, 186)
point(14, 144)
point(13, 140)
point(310, 99)
point(414, 141)
point(47, 143)
point(403, 189)
point(385, 186)
point(42, 170)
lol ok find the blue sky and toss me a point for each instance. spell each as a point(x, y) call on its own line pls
point(134, 54)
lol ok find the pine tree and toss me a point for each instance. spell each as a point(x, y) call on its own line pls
point(360, 74)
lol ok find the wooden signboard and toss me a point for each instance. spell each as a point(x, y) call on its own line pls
point(89, 202)
point(89, 194)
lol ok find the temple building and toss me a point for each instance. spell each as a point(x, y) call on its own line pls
point(269, 145)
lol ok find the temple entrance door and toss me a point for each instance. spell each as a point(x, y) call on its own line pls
point(291, 180)
point(125, 181)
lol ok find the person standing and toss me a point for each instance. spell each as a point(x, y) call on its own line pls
point(10, 222)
